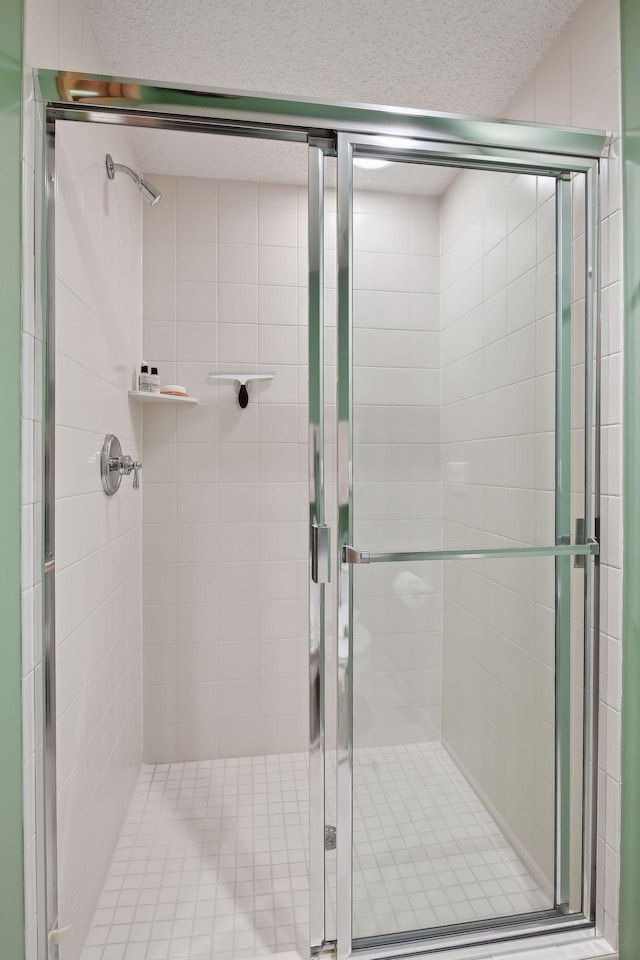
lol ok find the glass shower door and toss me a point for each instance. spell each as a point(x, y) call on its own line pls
point(466, 542)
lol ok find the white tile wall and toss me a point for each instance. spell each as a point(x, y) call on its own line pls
point(98, 600)
point(396, 472)
point(58, 35)
point(593, 76)
point(225, 489)
point(224, 544)
point(577, 82)
point(498, 329)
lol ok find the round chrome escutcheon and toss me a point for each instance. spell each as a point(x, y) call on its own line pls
point(110, 456)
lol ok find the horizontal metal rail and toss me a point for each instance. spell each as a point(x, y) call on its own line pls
point(353, 556)
point(124, 97)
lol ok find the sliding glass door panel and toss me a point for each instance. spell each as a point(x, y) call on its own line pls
point(466, 539)
point(453, 743)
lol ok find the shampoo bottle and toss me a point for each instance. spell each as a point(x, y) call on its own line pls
point(144, 381)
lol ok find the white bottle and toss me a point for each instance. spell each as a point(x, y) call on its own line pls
point(144, 380)
point(155, 380)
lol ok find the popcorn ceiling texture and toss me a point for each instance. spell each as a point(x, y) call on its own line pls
point(417, 53)
point(408, 53)
point(243, 158)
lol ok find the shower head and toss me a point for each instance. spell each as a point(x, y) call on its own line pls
point(147, 189)
point(149, 192)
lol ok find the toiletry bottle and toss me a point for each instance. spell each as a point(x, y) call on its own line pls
point(155, 380)
point(144, 383)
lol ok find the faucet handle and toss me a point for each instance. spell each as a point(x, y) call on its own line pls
point(114, 465)
point(127, 465)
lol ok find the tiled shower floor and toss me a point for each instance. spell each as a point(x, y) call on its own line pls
point(212, 862)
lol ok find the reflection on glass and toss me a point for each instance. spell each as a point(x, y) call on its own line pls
point(454, 358)
point(455, 662)
point(453, 743)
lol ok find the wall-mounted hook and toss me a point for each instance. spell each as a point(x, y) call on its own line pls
point(242, 379)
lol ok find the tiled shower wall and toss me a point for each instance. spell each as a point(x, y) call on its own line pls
point(98, 609)
point(396, 467)
point(225, 489)
point(498, 357)
point(57, 36)
point(578, 83)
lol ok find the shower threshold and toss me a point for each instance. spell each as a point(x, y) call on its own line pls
point(212, 861)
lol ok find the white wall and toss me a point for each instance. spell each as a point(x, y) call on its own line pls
point(578, 83)
point(98, 608)
point(225, 489)
point(397, 465)
point(498, 422)
point(97, 687)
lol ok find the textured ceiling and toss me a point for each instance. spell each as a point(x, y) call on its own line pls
point(456, 56)
point(242, 158)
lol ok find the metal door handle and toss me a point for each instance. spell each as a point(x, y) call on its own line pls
point(351, 555)
point(320, 553)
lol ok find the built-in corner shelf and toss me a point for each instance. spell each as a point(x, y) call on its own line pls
point(242, 379)
point(161, 398)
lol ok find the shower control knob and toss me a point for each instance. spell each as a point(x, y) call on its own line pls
point(127, 465)
point(114, 465)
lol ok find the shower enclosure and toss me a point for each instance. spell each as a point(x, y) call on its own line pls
point(515, 444)
point(453, 554)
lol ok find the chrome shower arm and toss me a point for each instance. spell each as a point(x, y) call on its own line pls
point(112, 168)
point(146, 188)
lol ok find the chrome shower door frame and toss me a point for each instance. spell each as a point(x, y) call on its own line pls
point(317, 150)
point(66, 95)
point(563, 550)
